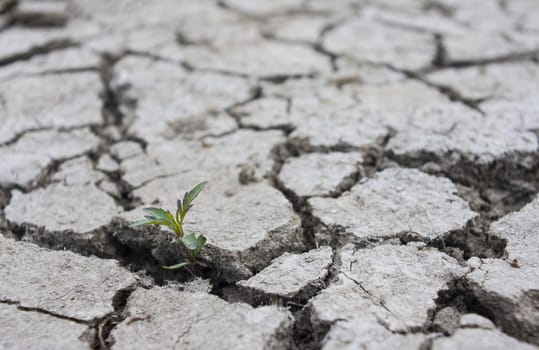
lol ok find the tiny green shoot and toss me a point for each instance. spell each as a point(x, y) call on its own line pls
point(190, 244)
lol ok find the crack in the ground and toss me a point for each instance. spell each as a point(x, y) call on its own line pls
point(373, 297)
point(103, 339)
point(449, 92)
point(99, 329)
point(442, 61)
point(19, 135)
point(41, 49)
point(44, 312)
point(297, 10)
point(142, 254)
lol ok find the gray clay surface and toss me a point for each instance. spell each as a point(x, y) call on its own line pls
point(372, 168)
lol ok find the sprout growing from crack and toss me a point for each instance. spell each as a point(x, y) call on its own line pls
point(190, 244)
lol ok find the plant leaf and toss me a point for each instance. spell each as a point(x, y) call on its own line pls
point(164, 217)
point(176, 266)
point(150, 222)
point(189, 197)
point(141, 222)
point(201, 240)
point(190, 241)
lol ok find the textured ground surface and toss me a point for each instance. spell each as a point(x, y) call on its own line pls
point(373, 173)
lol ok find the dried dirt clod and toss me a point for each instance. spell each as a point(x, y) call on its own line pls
point(59, 282)
point(366, 333)
point(479, 339)
point(394, 202)
point(294, 277)
point(397, 285)
point(69, 212)
point(206, 322)
point(32, 330)
point(399, 47)
point(191, 99)
point(49, 101)
point(508, 288)
point(321, 174)
point(26, 159)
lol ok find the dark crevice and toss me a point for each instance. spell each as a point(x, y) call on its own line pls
point(19, 135)
point(451, 304)
point(315, 46)
point(308, 222)
point(449, 92)
point(441, 57)
point(103, 328)
point(50, 46)
point(43, 311)
point(183, 40)
point(410, 27)
point(123, 196)
point(447, 63)
point(5, 198)
point(6, 6)
point(282, 78)
point(45, 178)
point(143, 250)
point(292, 11)
point(459, 297)
point(61, 71)
point(158, 58)
point(114, 118)
point(442, 9)
point(272, 78)
point(492, 189)
point(332, 57)
point(306, 335)
point(256, 94)
point(472, 240)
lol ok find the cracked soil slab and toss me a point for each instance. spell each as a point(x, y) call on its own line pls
point(33, 331)
point(396, 285)
point(206, 322)
point(394, 202)
point(508, 288)
point(361, 156)
point(291, 276)
point(324, 174)
point(59, 282)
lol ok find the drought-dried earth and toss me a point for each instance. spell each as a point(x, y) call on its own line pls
point(372, 169)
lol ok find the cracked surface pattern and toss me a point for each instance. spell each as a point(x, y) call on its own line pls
point(31, 330)
point(396, 285)
point(59, 282)
point(212, 323)
point(396, 201)
point(372, 168)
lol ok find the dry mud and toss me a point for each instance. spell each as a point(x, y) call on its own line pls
point(372, 169)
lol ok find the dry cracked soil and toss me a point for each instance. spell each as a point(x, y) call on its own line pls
point(372, 171)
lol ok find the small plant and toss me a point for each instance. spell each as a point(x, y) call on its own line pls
point(190, 244)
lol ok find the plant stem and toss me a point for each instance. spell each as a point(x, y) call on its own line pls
point(191, 272)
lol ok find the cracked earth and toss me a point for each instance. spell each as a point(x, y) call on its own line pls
point(372, 169)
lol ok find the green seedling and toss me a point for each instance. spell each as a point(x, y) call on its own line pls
point(190, 244)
